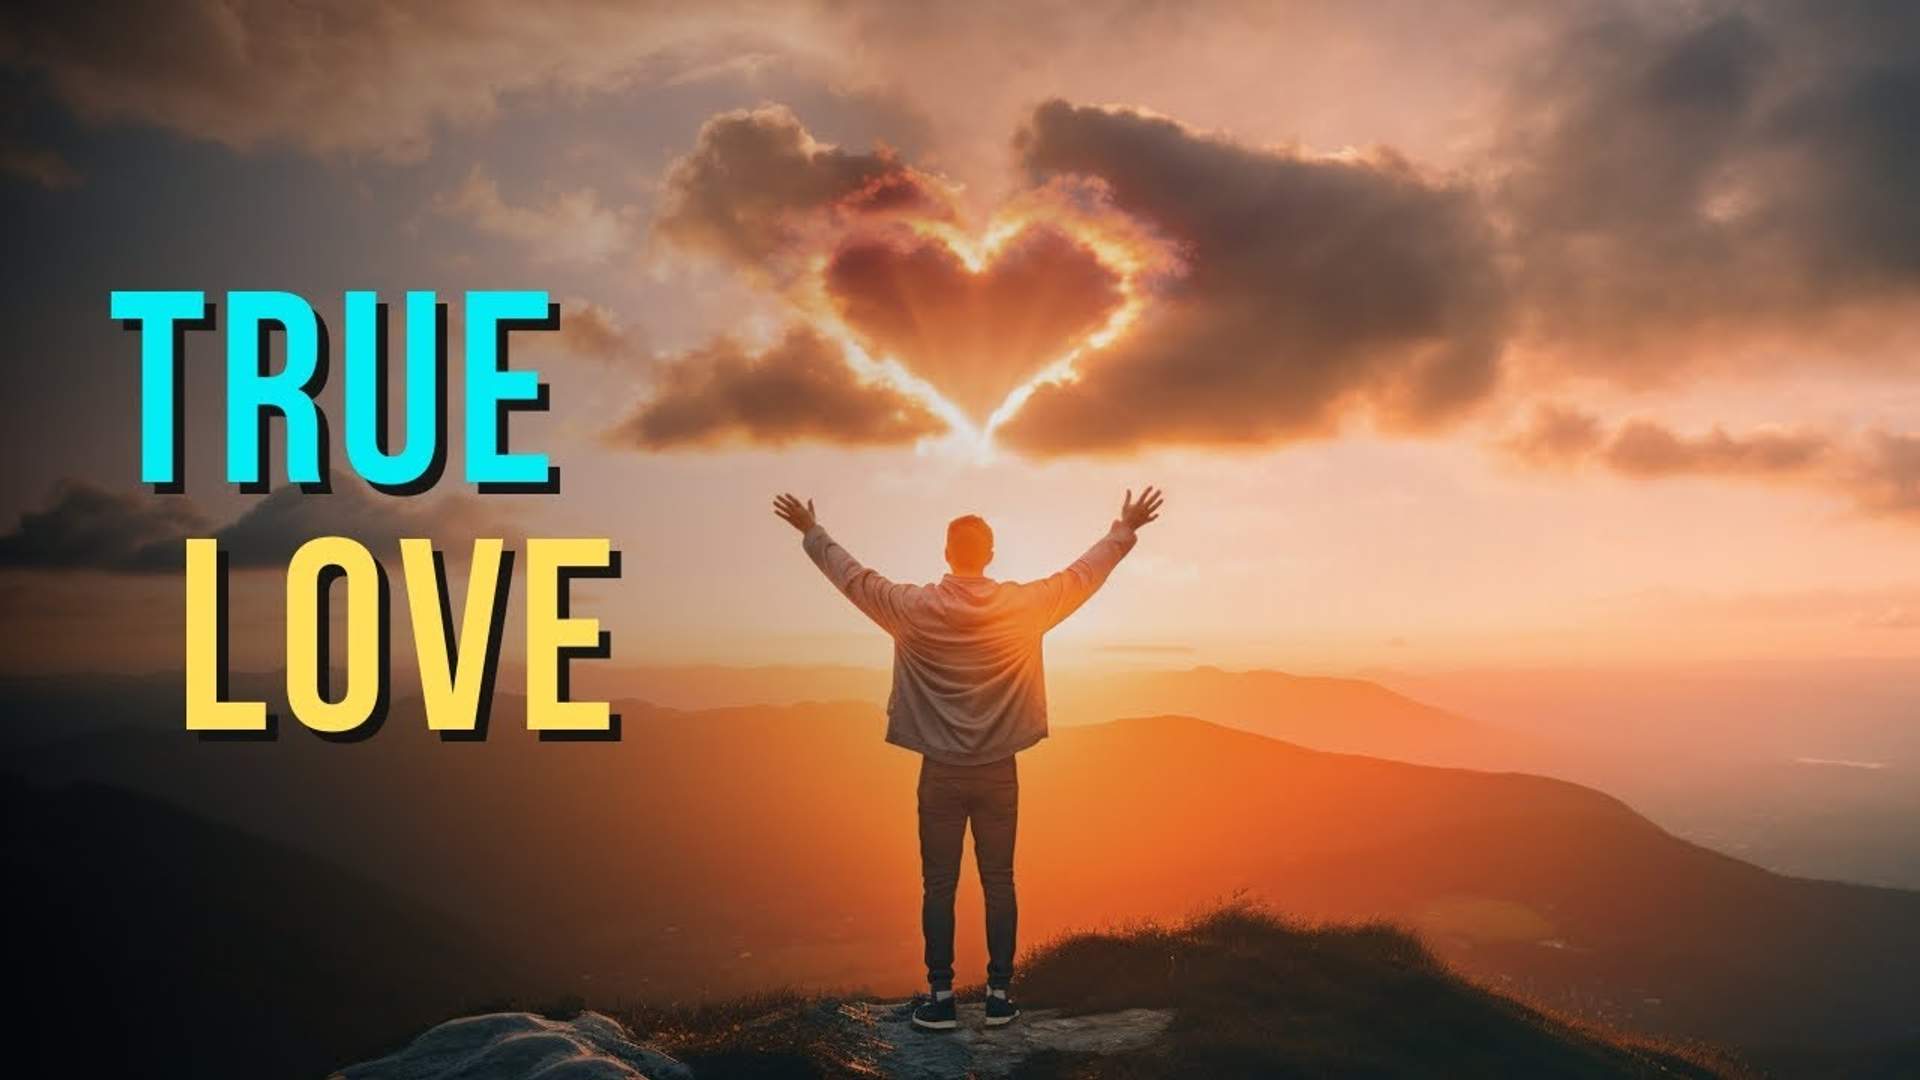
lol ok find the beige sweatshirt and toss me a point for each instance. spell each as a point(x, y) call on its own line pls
point(968, 684)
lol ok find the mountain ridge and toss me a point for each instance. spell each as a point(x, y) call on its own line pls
point(675, 843)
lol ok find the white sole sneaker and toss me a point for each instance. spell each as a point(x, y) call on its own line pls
point(1003, 1021)
point(937, 1025)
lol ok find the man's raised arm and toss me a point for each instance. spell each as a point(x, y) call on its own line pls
point(881, 600)
point(1072, 587)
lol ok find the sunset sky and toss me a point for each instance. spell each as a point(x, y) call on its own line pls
point(1466, 334)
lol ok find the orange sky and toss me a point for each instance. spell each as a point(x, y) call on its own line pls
point(1585, 338)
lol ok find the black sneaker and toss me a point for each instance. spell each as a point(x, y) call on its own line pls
point(1000, 1010)
point(937, 1014)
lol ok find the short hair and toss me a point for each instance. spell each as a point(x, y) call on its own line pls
point(970, 538)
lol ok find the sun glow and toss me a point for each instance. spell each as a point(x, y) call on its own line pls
point(1141, 259)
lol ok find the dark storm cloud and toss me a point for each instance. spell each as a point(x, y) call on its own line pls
point(87, 527)
point(756, 183)
point(800, 390)
point(1750, 168)
point(1316, 286)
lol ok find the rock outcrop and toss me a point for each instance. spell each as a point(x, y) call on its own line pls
point(975, 1050)
point(517, 1045)
point(593, 1046)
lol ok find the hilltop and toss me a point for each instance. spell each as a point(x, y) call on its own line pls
point(1231, 993)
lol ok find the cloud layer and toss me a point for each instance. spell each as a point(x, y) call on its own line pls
point(596, 332)
point(352, 76)
point(798, 390)
point(1315, 285)
point(1652, 189)
point(758, 191)
point(86, 527)
point(976, 333)
point(1663, 189)
point(1878, 471)
point(1563, 436)
point(565, 227)
point(1285, 287)
point(1744, 170)
point(866, 243)
point(89, 528)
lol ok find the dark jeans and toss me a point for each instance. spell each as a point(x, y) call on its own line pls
point(950, 796)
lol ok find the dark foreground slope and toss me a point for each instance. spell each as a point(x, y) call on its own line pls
point(1254, 995)
point(147, 942)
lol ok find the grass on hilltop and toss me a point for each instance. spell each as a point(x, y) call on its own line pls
point(1256, 995)
point(1253, 995)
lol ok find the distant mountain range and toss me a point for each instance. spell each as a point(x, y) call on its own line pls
point(1346, 715)
point(1810, 770)
point(1349, 716)
point(731, 849)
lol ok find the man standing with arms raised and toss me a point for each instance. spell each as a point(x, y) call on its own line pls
point(969, 692)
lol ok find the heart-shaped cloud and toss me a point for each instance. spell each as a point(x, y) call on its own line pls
point(975, 333)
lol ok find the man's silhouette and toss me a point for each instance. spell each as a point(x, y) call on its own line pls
point(969, 692)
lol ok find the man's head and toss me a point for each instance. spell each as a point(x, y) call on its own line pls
point(969, 545)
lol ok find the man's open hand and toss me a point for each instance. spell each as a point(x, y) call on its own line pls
point(794, 512)
point(1135, 514)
